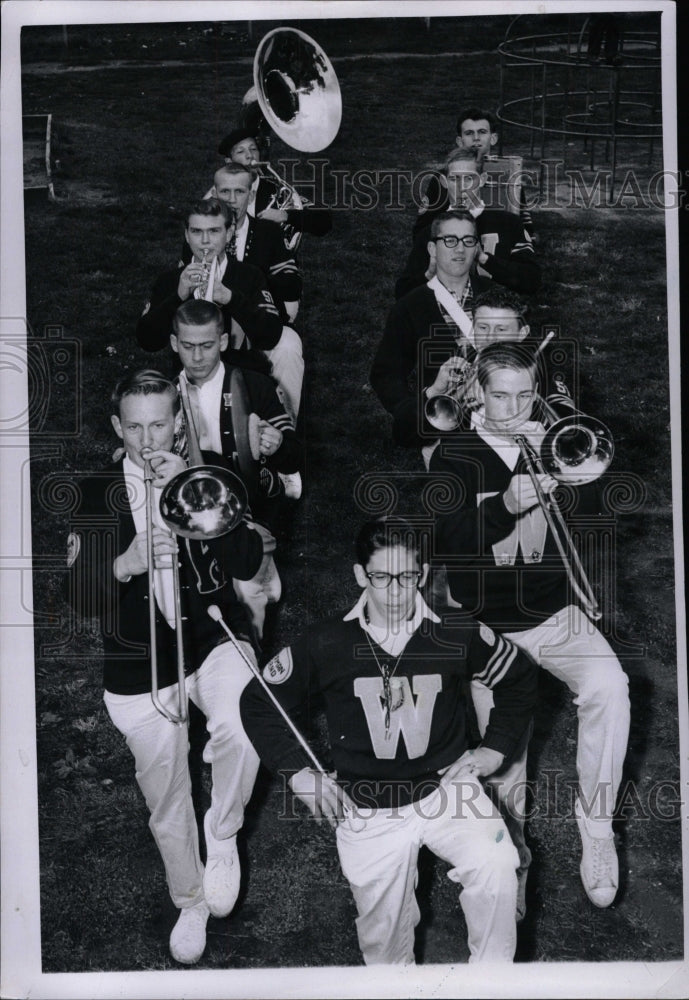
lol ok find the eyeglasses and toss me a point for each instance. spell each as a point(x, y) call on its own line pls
point(452, 241)
point(408, 578)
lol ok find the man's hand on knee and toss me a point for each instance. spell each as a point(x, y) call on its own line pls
point(474, 764)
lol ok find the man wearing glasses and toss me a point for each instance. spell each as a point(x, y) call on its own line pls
point(429, 325)
point(392, 679)
point(506, 254)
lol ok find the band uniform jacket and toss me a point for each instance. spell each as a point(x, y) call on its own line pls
point(416, 342)
point(251, 308)
point(503, 568)
point(335, 666)
point(265, 249)
point(437, 201)
point(511, 259)
point(265, 403)
point(102, 528)
point(310, 219)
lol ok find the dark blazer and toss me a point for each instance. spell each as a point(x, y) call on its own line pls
point(313, 220)
point(265, 249)
point(511, 259)
point(251, 306)
point(416, 342)
point(102, 527)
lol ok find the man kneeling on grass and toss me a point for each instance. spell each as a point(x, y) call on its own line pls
point(392, 677)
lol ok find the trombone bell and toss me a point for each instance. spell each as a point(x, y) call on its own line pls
point(576, 449)
point(205, 501)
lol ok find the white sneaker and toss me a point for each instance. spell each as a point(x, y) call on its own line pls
point(188, 938)
point(599, 865)
point(221, 881)
point(292, 484)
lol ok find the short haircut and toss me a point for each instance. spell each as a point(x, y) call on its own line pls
point(499, 297)
point(476, 115)
point(207, 206)
point(198, 312)
point(461, 153)
point(459, 215)
point(385, 533)
point(233, 169)
point(144, 382)
point(505, 354)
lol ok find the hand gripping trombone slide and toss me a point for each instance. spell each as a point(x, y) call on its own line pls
point(356, 823)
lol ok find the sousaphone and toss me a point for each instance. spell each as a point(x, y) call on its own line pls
point(296, 90)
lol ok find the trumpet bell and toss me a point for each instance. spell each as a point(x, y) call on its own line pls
point(205, 501)
point(297, 89)
point(444, 412)
point(577, 449)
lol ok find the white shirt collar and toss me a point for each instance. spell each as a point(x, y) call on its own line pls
point(394, 643)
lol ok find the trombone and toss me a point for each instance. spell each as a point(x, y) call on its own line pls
point(575, 450)
point(201, 502)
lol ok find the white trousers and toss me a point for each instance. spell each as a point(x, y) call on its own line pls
point(287, 360)
point(161, 751)
point(569, 646)
point(459, 824)
point(265, 587)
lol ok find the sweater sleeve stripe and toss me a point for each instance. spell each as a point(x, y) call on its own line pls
point(499, 663)
point(284, 267)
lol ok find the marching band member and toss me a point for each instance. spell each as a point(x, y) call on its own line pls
point(200, 341)
point(503, 566)
point(257, 241)
point(250, 315)
point(507, 254)
point(425, 326)
point(240, 146)
point(109, 579)
point(391, 677)
point(476, 129)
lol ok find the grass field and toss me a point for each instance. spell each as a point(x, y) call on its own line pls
point(137, 142)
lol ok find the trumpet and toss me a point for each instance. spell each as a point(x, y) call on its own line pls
point(445, 411)
point(201, 502)
point(204, 289)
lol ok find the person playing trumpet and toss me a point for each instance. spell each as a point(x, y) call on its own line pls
point(504, 567)
point(251, 317)
point(428, 326)
point(108, 556)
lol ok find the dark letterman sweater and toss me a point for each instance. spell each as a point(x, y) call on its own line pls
point(251, 307)
point(428, 730)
